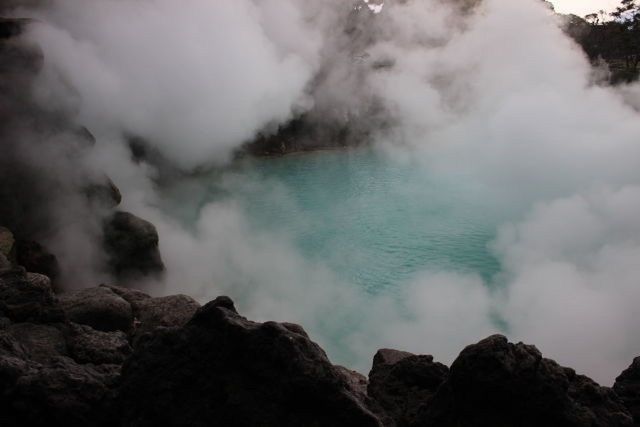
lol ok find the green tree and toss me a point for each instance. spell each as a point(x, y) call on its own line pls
point(616, 40)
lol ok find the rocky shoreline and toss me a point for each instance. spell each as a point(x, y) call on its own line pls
point(110, 355)
point(113, 355)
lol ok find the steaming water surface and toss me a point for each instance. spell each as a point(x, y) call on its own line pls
point(374, 221)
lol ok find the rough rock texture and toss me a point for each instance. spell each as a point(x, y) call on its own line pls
point(497, 383)
point(53, 372)
point(151, 313)
point(402, 383)
point(37, 342)
point(133, 296)
point(174, 310)
point(100, 308)
point(28, 297)
point(35, 258)
point(225, 369)
point(132, 246)
point(86, 345)
point(71, 361)
point(627, 386)
point(41, 385)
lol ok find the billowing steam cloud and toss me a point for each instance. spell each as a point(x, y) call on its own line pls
point(197, 81)
point(497, 91)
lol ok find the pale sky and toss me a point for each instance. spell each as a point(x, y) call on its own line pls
point(583, 7)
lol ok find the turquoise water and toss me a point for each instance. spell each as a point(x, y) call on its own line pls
point(374, 221)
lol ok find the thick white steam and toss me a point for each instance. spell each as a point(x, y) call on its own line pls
point(499, 92)
point(195, 80)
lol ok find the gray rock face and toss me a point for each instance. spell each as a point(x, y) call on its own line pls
point(28, 297)
point(132, 246)
point(42, 385)
point(496, 383)
point(223, 369)
point(36, 342)
point(86, 345)
point(133, 296)
point(100, 308)
point(174, 310)
point(59, 393)
point(402, 383)
point(215, 367)
point(151, 313)
point(627, 386)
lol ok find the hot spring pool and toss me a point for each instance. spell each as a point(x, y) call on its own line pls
point(341, 242)
point(372, 220)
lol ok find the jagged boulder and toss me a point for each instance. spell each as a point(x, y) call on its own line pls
point(40, 385)
point(151, 313)
point(36, 258)
point(99, 307)
point(497, 383)
point(132, 246)
point(223, 369)
point(86, 345)
point(134, 297)
point(402, 383)
point(28, 297)
point(627, 386)
point(173, 310)
point(36, 342)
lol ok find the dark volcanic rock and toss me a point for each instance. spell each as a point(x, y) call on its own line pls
point(627, 386)
point(35, 258)
point(104, 192)
point(132, 296)
point(86, 345)
point(61, 393)
point(41, 385)
point(151, 313)
point(100, 308)
point(173, 310)
point(36, 342)
point(132, 245)
point(402, 383)
point(225, 370)
point(496, 383)
point(28, 297)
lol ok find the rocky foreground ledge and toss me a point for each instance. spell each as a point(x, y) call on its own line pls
point(109, 356)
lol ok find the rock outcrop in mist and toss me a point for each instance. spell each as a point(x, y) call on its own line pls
point(48, 193)
point(77, 95)
point(110, 356)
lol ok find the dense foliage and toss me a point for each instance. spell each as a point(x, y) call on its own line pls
point(615, 38)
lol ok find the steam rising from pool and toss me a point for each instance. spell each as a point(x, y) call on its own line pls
point(502, 192)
